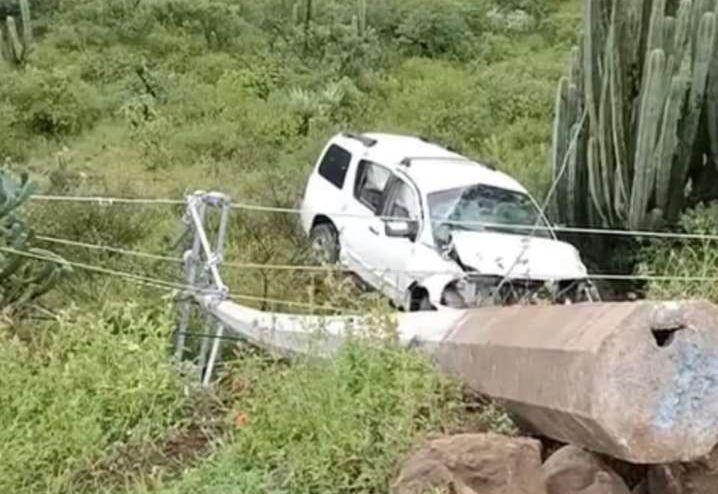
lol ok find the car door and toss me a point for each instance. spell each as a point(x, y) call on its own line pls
point(393, 254)
point(362, 225)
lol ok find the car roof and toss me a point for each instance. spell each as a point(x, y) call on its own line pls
point(432, 167)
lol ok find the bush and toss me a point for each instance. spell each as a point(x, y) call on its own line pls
point(219, 23)
point(432, 30)
point(113, 225)
point(685, 258)
point(52, 103)
point(78, 386)
point(8, 132)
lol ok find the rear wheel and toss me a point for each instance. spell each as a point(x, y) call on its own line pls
point(324, 242)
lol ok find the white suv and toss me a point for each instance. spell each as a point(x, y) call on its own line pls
point(430, 228)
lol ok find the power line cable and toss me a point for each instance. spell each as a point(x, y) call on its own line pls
point(339, 269)
point(109, 201)
point(159, 283)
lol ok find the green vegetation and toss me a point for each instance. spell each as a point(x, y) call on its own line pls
point(26, 272)
point(693, 259)
point(628, 136)
point(79, 388)
point(319, 427)
point(159, 97)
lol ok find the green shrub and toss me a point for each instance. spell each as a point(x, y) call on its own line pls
point(113, 225)
point(127, 20)
point(326, 426)
point(78, 386)
point(431, 29)
point(219, 23)
point(685, 258)
point(8, 132)
point(53, 103)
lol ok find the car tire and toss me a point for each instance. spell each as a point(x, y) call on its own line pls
point(324, 242)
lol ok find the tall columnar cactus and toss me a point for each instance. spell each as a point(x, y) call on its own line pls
point(302, 13)
point(361, 17)
point(16, 45)
point(628, 132)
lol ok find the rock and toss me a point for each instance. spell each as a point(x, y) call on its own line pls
point(572, 470)
point(665, 479)
point(699, 477)
point(474, 464)
point(641, 488)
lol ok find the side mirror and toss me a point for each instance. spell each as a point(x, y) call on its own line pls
point(401, 229)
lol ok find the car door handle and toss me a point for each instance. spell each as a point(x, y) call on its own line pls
point(374, 230)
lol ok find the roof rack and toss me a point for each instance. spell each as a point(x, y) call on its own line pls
point(367, 141)
point(459, 159)
point(407, 161)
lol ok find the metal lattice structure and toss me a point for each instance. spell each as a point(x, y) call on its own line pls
point(201, 264)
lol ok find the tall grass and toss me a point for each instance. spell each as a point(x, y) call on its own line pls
point(325, 427)
point(72, 389)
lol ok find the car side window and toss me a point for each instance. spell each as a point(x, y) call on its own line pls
point(370, 183)
point(335, 164)
point(402, 202)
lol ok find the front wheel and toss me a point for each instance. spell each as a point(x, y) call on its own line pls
point(324, 241)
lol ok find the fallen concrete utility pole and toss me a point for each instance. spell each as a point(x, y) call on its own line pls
point(637, 381)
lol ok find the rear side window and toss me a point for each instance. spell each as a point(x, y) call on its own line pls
point(370, 183)
point(335, 164)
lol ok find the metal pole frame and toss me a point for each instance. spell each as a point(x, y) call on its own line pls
point(208, 258)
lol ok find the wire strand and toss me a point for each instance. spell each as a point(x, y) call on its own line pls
point(169, 285)
point(491, 225)
point(335, 268)
point(107, 248)
point(109, 201)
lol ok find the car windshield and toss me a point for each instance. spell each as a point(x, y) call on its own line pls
point(485, 208)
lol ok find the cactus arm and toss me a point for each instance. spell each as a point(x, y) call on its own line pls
point(16, 49)
point(605, 138)
point(620, 196)
point(26, 24)
point(572, 196)
point(704, 50)
point(560, 141)
point(649, 114)
point(668, 141)
point(594, 180)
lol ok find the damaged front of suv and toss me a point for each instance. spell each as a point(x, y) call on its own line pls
point(504, 249)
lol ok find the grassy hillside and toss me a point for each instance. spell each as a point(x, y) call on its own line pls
point(159, 97)
point(155, 98)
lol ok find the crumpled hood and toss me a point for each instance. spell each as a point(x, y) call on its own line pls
point(494, 254)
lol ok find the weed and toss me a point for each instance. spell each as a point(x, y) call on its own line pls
point(78, 386)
